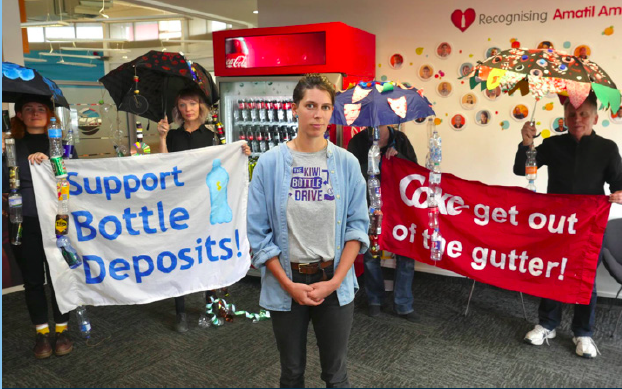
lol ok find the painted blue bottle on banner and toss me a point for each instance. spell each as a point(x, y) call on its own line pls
point(217, 181)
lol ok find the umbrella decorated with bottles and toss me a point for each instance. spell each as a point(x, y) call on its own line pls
point(19, 81)
point(378, 103)
point(540, 72)
point(144, 86)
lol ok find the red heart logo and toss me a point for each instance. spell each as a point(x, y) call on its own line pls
point(463, 20)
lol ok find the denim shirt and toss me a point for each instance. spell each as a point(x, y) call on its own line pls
point(267, 220)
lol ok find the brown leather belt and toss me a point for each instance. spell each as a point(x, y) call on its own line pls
point(311, 268)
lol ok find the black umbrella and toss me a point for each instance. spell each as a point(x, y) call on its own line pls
point(19, 82)
point(146, 85)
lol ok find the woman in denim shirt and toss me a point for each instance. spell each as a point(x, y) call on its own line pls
point(307, 222)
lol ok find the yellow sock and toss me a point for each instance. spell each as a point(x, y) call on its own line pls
point(60, 327)
point(42, 329)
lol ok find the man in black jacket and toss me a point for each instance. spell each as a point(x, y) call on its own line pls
point(579, 162)
point(392, 143)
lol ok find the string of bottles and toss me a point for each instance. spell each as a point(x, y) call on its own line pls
point(61, 149)
point(531, 168)
point(375, 196)
point(219, 128)
point(15, 197)
point(433, 164)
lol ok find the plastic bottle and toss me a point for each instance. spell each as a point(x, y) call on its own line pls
point(435, 234)
point(531, 166)
point(83, 321)
point(9, 141)
point(68, 144)
point(70, 254)
point(217, 181)
point(373, 189)
point(15, 207)
point(55, 134)
point(373, 156)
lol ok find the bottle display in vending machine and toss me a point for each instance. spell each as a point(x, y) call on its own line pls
point(262, 120)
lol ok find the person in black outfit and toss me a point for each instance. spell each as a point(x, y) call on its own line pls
point(392, 143)
point(579, 162)
point(28, 128)
point(190, 113)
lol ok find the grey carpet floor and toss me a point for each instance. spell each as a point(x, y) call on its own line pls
point(138, 348)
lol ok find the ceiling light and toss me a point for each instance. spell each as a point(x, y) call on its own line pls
point(255, 12)
point(28, 59)
point(186, 41)
point(71, 55)
point(93, 49)
point(49, 23)
point(84, 65)
point(86, 40)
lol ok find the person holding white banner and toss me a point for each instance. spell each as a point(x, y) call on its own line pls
point(189, 113)
point(29, 128)
point(579, 162)
point(307, 222)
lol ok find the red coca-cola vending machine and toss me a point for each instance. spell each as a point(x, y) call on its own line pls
point(257, 70)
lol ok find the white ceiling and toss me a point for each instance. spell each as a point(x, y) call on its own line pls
point(236, 12)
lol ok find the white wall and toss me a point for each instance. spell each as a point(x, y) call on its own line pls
point(401, 26)
point(11, 33)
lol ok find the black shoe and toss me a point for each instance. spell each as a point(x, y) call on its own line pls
point(43, 348)
point(412, 317)
point(373, 311)
point(181, 324)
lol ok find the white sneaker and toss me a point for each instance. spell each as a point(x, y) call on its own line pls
point(586, 347)
point(538, 335)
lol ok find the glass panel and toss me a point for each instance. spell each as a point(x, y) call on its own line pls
point(90, 31)
point(35, 34)
point(122, 31)
point(60, 32)
point(146, 31)
point(218, 26)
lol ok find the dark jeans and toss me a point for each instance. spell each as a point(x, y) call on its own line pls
point(332, 324)
point(550, 314)
point(403, 287)
point(180, 302)
point(31, 260)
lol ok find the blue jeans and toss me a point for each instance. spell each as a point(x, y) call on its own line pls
point(332, 324)
point(550, 314)
point(402, 291)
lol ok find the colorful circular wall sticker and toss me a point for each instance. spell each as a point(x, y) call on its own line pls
point(396, 61)
point(616, 117)
point(426, 72)
point(443, 50)
point(465, 68)
point(458, 122)
point(558, 125)
point(504, 125)
point(492, 51)
point(546, 45)
point(468, 100)
point(582, 51)
point(492, 94)
point(444, 88)
point(519, 112)
point(483, 117)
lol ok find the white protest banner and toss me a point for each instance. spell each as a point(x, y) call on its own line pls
point(148, 227)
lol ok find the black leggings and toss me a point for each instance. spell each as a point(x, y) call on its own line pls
point(31, 260)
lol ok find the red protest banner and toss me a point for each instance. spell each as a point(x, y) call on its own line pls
point(509, 237)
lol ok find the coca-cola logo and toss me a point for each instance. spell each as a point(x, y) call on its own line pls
point(240, 61)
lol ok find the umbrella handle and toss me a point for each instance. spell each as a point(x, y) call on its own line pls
point(533, 113)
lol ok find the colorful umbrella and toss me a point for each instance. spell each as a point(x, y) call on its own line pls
point(142, 87)
point(543, 71)
point(378, 103)
point(18, 81)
